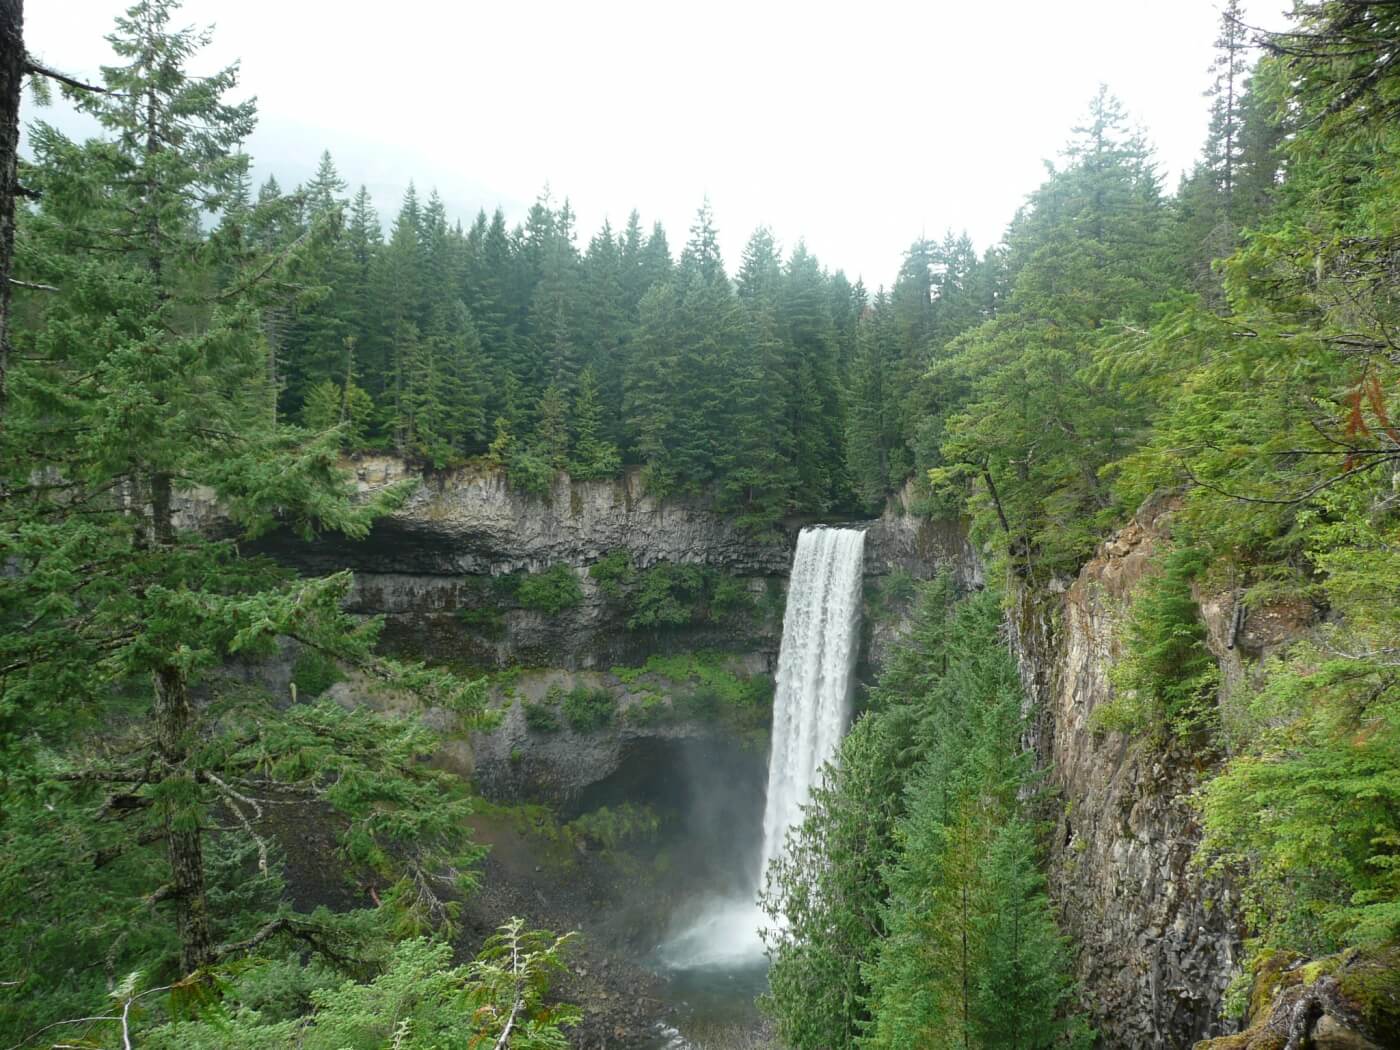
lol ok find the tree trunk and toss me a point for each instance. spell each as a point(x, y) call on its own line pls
point(11, 82)
point(174, 723)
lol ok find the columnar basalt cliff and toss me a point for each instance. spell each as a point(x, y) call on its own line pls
point(435, 558)
point(1157, 941)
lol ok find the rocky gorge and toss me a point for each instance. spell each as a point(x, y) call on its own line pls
point(1157, 941)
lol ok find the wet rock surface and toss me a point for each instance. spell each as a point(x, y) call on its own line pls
point(435, 558)
point(1157, 942)
point(1349, 1001)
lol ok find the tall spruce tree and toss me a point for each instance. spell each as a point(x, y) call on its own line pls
point(143, 379)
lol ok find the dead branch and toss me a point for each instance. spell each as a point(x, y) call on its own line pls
point(35, 69)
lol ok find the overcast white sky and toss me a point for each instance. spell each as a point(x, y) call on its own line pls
point(856, 126)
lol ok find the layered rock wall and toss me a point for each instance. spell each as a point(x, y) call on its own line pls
point(432, 560)
point(1157, 941)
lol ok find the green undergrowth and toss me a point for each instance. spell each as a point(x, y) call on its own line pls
point(612, 828)
point(551, 591)
point(587, 708)
point(313, 673)
point(541, 718)
point(487, 599)
point(705, 689)
point(1167, 679)
point(669, 595)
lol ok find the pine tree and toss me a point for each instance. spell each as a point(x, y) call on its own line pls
point(555, 307)
point(321, 318)
point(631, 246)
point(1020, 994)
point(399, 289)
point(1091, 250)
point(594, 456)
point(11, 85)
point(348, 407)
point(605, 325)
point(815, 413)
point(488, 299)
point(141, 378)
point(872, 417)
point(754, 465)
point(650, 401)
point(551, 437)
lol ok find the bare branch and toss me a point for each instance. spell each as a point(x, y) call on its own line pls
point(34, 68)
point(232, 798)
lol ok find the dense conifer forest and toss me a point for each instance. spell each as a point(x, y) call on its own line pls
point(1232, 341)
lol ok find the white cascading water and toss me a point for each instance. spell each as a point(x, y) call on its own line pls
point(811, 707)
point(821, 631)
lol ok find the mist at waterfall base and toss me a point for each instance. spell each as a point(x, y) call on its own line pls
point(811, 709)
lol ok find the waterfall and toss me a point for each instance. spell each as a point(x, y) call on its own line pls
point(811, 706)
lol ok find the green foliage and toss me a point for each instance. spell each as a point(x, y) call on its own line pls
point(486, 619)
point(551, 591)
point(828, 888)
point(346, 407)
point(1308, 811)
point(702, 687)
point(910, 906)
point(541, 718)
point(967, 917)
point(419, 1002)
point(613, 828)
point(1167, 678)
point(593, 455)
point(143, 778)
point(613, 573)
point(678, 595)
point(314, 673)
point(588, 710)
point(668, 596)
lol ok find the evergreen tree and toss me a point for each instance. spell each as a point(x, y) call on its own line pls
point(815, 412)
point(140, 379)
point(555, 308)
point(594, 456)
point(966, 914)
point(488, 299)
point(1091, 250)
point(348, 407)
point(1021, 994)
point(655, 263)
point(606, 323)
point(873, 441)
point(320, 322)
point(551, 439)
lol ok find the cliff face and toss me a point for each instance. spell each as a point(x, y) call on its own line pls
point(1157, 942)
point(436, 557)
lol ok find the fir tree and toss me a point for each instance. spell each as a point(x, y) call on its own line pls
point(139, 382)
point(593, 456)
point(551, 438)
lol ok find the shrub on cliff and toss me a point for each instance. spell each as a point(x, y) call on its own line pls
point(614, 574)
point(589, 709)
point(551, 591)
point(540, 718)
point(1167, 680)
